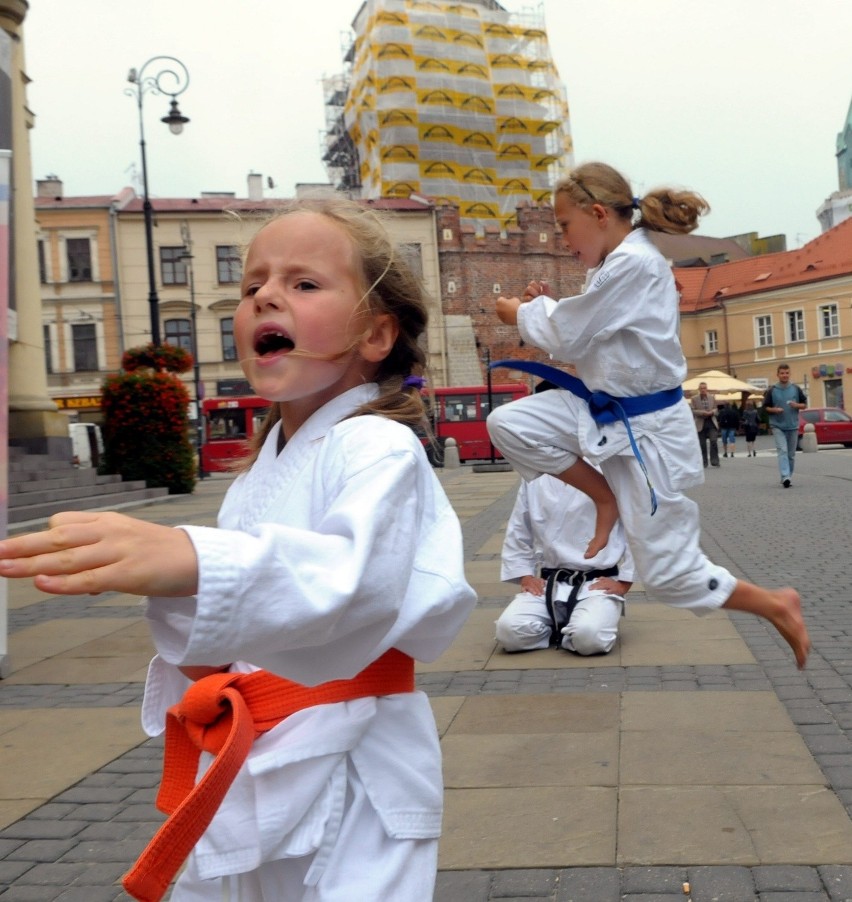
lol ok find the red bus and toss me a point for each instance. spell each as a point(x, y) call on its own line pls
point(460, 412)
point(228, 424)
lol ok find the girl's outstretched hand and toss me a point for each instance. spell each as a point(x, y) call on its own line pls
point(84, 553)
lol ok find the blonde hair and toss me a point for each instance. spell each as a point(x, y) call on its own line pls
point(661, 210)
point(390, 286)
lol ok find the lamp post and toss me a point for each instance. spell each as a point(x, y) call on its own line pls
point(490, 395)
point(171, 73)
point(196, 366)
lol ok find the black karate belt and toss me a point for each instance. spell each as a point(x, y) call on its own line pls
point(560, 611)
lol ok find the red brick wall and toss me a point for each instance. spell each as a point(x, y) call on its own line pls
point(530, 250)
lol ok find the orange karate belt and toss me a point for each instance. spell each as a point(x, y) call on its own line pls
point(223, 714)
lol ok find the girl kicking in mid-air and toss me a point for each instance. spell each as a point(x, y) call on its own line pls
point(621, 334)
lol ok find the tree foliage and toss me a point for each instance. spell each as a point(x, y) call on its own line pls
point(146, 422)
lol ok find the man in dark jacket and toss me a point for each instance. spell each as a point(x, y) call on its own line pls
point(729, 421)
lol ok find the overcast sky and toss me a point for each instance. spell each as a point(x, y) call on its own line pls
point(741, 100)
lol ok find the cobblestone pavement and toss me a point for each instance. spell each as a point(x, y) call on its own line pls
point(75, 846)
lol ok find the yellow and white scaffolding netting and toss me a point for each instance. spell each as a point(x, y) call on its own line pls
point(456, 101)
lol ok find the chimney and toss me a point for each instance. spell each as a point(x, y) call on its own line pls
point(255, 186)
point(49, 186)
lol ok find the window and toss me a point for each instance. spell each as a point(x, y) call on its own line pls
point(48, 348)
point(412, 253)
point(460, 408)
point(225, 424)
point(42, 263)
point(227, 388)
point(829, 322)
point(85, 347)
point(763, 326)
point(795, 325)
point(711, 341)
point(498, 399)
point(173, 265)
point(836, 416)
point(226, 330)
point(179, 333)
point(79, 260)
point(228, 265)
point(833, 389)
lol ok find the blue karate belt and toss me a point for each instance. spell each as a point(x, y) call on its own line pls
point(603, 407)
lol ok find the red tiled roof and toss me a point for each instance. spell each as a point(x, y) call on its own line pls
point(74, 203)
point(85, 201)
point(826, 257)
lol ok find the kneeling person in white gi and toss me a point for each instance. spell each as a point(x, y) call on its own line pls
point(573, 602)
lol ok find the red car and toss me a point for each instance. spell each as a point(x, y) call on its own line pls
point(833, 426)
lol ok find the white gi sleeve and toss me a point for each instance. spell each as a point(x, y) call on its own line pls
point(519, 557)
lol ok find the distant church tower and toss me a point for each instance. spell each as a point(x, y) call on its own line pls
point(459, 101)
point(838, 206)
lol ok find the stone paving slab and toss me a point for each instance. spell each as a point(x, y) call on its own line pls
point(32, 650)
point(528, 827)
point(38, 761)
point(720, 825)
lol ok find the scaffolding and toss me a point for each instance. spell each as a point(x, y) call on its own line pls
point(457, 101)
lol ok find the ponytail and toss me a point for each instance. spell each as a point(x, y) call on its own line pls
point(661, 210)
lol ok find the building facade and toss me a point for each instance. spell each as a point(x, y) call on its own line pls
point(33, 420)
point(458, 101)
point(747, 316)
point(80, 295)
point(477, 267)
point(93, 271)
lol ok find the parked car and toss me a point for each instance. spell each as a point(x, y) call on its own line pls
point(833, 426)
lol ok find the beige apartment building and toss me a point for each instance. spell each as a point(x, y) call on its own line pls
point(95, 289)
point(80, 298)
point(747, 316)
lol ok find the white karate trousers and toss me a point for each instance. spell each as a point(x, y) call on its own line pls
point(525, 624)
point(365, 864)
point(538, 434)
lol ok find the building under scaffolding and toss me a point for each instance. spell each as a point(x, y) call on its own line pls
point(457, 101)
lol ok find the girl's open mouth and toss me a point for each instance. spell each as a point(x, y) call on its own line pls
point(273, 341)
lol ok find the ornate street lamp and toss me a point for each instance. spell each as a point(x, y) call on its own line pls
point(187, 257)
point(171, 79)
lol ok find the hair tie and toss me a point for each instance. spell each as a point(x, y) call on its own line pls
point(413, 382)
point(636, 203)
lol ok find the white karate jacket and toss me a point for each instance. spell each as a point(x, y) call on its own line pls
point(327, 555)
point(551, 525)
point(622, 335)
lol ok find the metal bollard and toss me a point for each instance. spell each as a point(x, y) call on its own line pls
point(451, 454)
point(809, 439)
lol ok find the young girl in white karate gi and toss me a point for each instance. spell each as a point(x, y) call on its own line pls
point(621, 334)
point(337, 554)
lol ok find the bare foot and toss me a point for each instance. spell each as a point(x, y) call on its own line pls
point(607, 514)
point(790, 623)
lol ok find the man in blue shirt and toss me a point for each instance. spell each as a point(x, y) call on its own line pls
point(782, 402)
